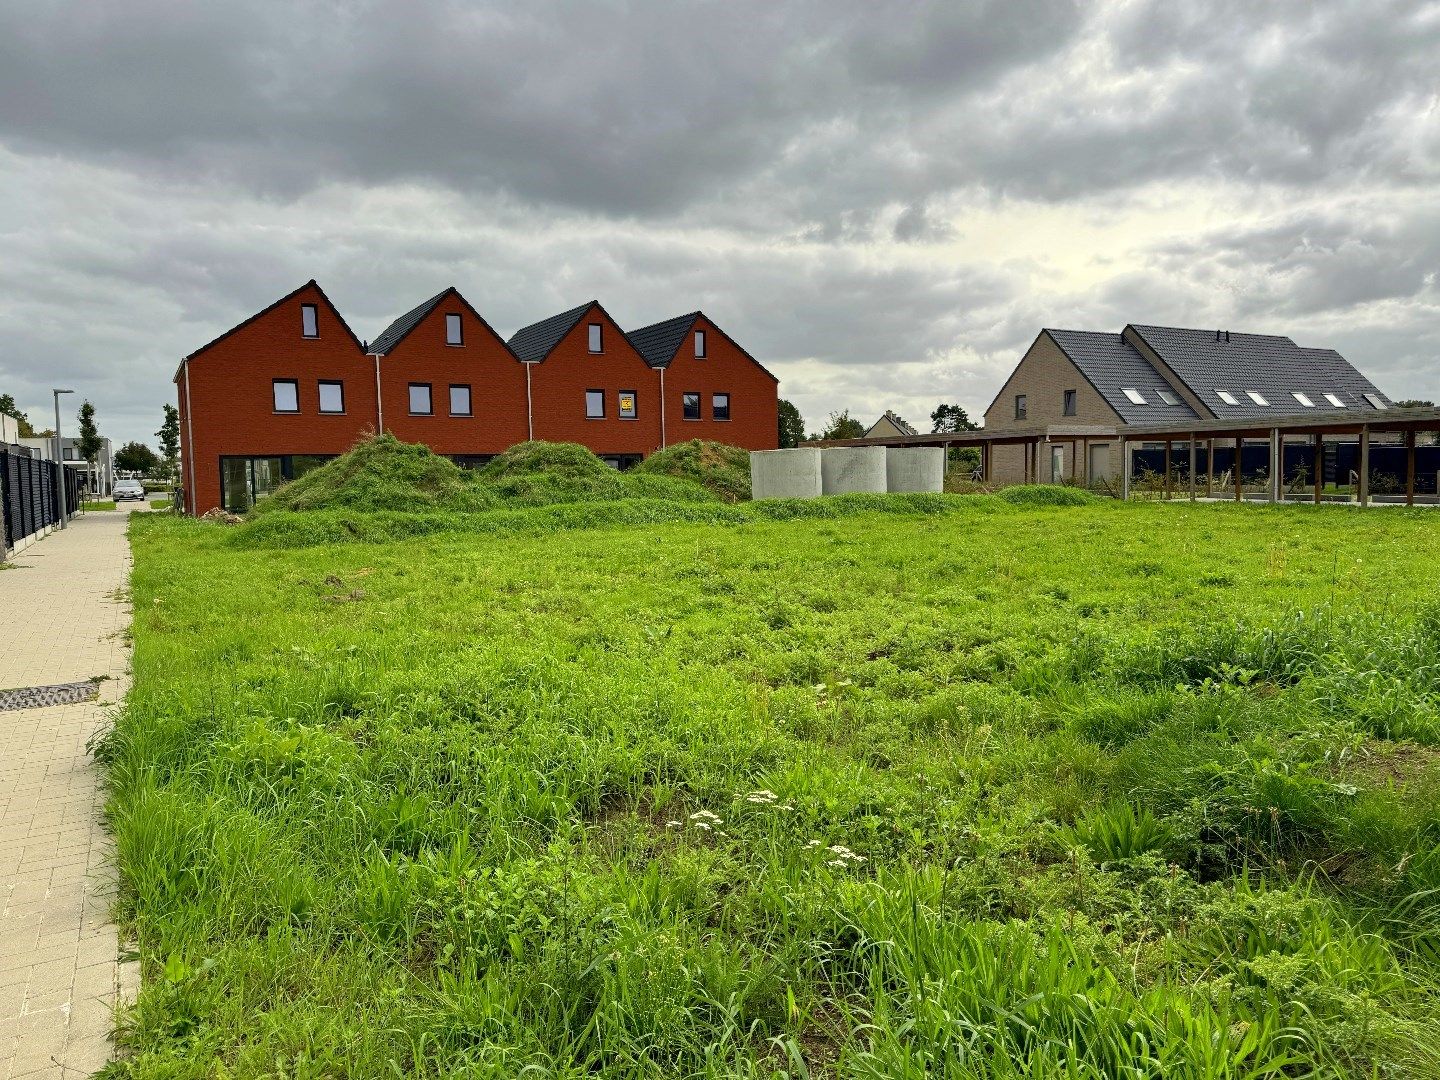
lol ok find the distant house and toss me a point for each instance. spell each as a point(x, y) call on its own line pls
point(97, 479)
point(890, 424)
point(1156, 374)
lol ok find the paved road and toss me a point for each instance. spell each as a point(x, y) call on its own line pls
point(65, 613)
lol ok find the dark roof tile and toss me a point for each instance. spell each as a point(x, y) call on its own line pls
point(395, 333)
point(1112, 366)
point(659, 342)
point(534, 342)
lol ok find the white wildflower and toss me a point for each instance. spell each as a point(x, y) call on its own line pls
point(706, 818)
point(761, 797)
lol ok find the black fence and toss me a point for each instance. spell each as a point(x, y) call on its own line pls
point(31, 495)
point(1387, 464)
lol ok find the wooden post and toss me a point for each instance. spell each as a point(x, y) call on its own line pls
point(1239, 445)
point(1410, 468)
point(1166, 489)
point(1124, 470)
point(1192, 466)
point(985, 462)
point(1365, 465)
point(1209, 467)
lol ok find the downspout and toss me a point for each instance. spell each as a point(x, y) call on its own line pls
point(191, 497)
point(662, 408)
point(529, 406)
point(379, 403)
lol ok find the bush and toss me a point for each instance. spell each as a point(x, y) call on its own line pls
point(721, 469)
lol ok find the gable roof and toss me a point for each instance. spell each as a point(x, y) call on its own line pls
point(400, 329)
point(1111, 365)
point(659, 342)
point(311, 284)
point(1269, 364)
point(534, 342)
point(898, 423)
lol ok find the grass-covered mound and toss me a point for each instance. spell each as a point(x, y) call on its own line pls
point(382, 473)
point(721, 469)
point(1048, 495)
point(543, 473)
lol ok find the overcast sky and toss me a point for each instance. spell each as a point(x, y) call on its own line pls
point(884, 202)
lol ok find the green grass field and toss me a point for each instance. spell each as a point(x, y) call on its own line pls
point(99, 504)
point(974, 790)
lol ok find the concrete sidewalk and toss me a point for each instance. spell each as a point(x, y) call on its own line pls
point(66, 612)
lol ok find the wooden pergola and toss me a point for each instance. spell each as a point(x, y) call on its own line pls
point(1315, 425)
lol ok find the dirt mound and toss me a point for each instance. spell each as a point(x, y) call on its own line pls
point(721, 469)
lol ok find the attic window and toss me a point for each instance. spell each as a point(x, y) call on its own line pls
point(699, 344)
point(1069, 403)
point(1334, 399)
point(453, 334)
point(1227, 397)
point(1257, 397)
point(1168, 398)
point(595, 337)
point(1136, 398)
point(1304, 399)
point(309, 321)
point(1374, 400)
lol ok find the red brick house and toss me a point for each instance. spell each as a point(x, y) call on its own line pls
point(712, 388)
point(448, 380)
point(292, 386)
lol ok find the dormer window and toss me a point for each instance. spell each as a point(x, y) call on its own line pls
point(309, 321)
point(1303, 399)
point(1168, 398)
point(1257, 397)
point(699, 344)
point(1334, 399)
point(1374, 400)
point(453, 334)
point(1134, 396)
point(595, 340)
point(1227, 397)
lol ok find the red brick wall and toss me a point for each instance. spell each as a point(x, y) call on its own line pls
point(233, 400)
point(559, 383)
point(754, 395)
point(495, 377)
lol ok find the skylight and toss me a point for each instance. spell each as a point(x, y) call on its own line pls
point(1136, 398)
point(1168, 398)
point(1304, 399)
point(1227, 397)
point(1374, 400)
point(1335, 400)
point(1256, 397)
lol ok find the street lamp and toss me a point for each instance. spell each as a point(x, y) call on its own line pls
point(60, 457)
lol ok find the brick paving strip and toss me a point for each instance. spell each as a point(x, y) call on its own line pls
point(60, 972)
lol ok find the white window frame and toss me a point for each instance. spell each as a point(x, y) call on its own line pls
point(453, 323)
point(1335, 399)
point(1257, 397)
point(1374, 400)
point(595, 338)
point(1134, 396)
point(294, 385)
point(1303, 399)
point(429, 389)
point(330, 384)
point(1227, 398)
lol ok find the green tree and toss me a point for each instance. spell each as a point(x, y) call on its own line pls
point(87, 446)
point(841, 425)
point(169, 436)
point(9, 408)
point(1408, 403)
point(137, 457)
point(792, 425)
point(948, 418)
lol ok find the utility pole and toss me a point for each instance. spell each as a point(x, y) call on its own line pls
point(60, 457)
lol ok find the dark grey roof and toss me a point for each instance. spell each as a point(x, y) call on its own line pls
point(395, 333)
point(534, 342)
point(1112, 365)
point(659, 342)
point(1269, 364)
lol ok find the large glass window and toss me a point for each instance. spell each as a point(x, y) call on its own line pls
point(245, 479)
point(235, 484)
point(420, 399)
point(690, 406)
point(452, 330)
point(309, 322)
point(594, 404)
point(720, 406)
point(459, 400)
point(332, 396)
point(287, 395)
point(595, 342)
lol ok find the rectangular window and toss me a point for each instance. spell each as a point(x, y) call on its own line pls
point(1020, 406)
point(720, 406)
point(287, 395)
point(1135, 397)
point(1257, 397)
point(1304, 399)
point(1168, 398)
point(1227, 397)
point(1334, 399)
point(420, 399)
point(452, 330)
point(690, 406)
point(1069, 402)
point(459, 399)
point(1374, 400)
point(699, 344)
point(595, 337)
point(309, 321)
point(332, 397)
point(594, 404)
point(626, 400)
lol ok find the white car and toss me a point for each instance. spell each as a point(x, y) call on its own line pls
point(129, 489)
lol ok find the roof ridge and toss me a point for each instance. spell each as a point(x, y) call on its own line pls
point(400, 327)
